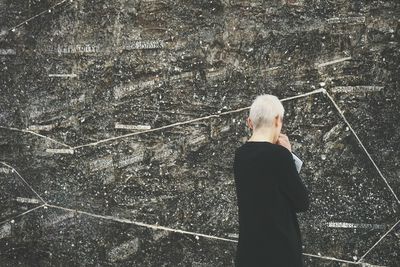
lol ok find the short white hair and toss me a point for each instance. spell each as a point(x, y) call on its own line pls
point(264, 109)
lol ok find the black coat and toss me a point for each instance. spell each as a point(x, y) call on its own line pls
point(269, 193)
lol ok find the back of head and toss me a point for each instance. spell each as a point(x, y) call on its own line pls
point(264, 109)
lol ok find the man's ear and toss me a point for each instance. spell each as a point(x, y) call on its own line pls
point(249, 123)
point(276, 120)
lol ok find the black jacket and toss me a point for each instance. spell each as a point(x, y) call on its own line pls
point(269, 193)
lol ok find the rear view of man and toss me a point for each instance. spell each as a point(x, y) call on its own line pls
point(269, 191)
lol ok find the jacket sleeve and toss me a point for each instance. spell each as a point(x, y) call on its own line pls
point(290, 183)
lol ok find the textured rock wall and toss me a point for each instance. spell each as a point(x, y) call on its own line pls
point(119, 120)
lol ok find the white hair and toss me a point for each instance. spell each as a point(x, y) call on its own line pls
point(264, 109)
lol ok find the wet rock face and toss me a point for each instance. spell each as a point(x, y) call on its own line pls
point(109, 155)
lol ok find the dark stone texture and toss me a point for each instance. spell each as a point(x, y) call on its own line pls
point(74, 78)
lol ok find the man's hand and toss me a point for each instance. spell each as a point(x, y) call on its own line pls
point(283, 140)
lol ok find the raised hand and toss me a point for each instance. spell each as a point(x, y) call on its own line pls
point(283, 140)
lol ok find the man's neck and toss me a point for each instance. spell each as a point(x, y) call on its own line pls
point(262, 135)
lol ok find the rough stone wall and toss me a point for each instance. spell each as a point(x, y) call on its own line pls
point(119, 119)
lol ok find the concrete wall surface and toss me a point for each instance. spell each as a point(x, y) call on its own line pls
point(119, 120)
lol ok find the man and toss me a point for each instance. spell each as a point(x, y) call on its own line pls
point(269, 191)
